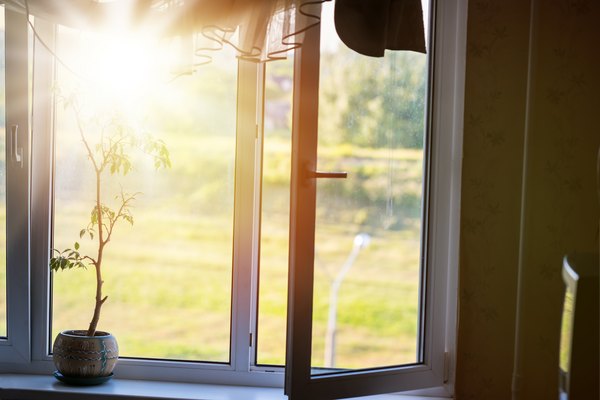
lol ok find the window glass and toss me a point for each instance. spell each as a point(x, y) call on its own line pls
point(275, 213)
point(366, 309)
point(3, 330)
point(168, 276)
point(369, 226)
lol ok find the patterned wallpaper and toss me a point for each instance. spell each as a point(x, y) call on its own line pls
point(561, 205)
point(495, 101)
point(561, 210)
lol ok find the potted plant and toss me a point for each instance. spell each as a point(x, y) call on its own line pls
point(89, 356)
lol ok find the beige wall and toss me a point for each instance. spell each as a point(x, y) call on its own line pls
point(549, 142)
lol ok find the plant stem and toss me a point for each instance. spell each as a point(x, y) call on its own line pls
point(98, 264)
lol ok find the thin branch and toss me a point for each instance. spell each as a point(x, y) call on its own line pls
point(106, 157)
point(85, 142)
point(124, 204)
point(102, 143)
point(92, 261)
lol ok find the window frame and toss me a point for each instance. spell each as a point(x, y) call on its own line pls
point(16, 348)
point(29, 351)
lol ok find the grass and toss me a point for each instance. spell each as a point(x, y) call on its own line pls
point(170, 299)
point(164, 288)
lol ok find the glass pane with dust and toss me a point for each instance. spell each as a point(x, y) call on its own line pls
point(369, 226)
point(168, 271)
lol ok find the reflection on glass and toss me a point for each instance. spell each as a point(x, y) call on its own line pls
point(272, 300)
point(368, 234)
point(167, 277)
point(3, 330)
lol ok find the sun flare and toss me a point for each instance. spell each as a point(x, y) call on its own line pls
point(121, 70)
point(125, 68)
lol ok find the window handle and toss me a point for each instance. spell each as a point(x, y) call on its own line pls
point(334, 175)
point(16, 151)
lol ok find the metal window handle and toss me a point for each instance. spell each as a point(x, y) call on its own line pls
point(16, 151)
point(334, 175)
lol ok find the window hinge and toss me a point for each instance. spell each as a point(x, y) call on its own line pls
point(446, 366)
point(250, 342)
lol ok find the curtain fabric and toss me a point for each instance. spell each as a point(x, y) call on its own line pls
point(370, 27)
point(260, 30)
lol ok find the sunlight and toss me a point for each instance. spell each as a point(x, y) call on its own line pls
point(125, 68)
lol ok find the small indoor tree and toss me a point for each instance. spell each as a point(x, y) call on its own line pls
point(109, 156)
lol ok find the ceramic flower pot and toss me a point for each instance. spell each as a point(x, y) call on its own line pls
point(84, 357)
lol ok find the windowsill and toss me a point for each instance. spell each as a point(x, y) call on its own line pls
point(33, 387)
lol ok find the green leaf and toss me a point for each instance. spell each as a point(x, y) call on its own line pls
point(53, 264)
point(81, 233)
point(76, 245)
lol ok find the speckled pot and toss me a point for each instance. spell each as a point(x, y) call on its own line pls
point(79, 356)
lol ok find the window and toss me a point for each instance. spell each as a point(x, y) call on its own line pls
point(169, 273)
point(371, 115)
point(305, 377)
point(198, 286)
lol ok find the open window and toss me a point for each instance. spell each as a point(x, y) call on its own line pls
point(387, 182)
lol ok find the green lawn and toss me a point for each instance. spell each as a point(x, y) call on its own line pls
point(169, 297)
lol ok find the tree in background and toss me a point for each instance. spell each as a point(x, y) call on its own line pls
point(371, 102)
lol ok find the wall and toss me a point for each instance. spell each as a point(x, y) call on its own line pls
point(529, 193)
point(495, 99)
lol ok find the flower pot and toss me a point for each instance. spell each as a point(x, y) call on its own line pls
point(83, 357)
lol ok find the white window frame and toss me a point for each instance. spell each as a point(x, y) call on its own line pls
point(26, 351)
point(16, 347)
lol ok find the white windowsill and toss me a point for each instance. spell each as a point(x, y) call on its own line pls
point(33, 387)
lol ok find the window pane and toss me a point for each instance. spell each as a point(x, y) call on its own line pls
point(3, 330)
point(272, 300)
point(167, 277)
point(368, 227)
